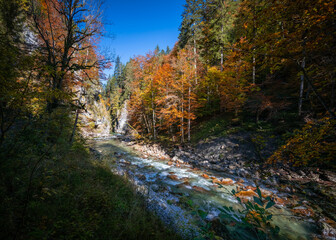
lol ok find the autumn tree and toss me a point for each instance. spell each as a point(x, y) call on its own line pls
point(167, 101)
point(314, 145)
point(287, 37)
point(186, 85)
point(65, 32)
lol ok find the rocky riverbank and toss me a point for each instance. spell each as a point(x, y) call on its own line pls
point(239, 156)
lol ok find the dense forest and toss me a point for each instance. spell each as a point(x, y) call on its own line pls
point(263, 71)
point(247, 61)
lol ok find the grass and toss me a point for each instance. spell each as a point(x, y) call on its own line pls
point(76, 197)
point(220, 126)
point(214, 127)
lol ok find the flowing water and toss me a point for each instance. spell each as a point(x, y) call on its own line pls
point(166, 187)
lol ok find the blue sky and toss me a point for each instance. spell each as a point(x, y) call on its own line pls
point(139, 26)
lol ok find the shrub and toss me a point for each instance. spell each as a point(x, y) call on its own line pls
point(314, 145)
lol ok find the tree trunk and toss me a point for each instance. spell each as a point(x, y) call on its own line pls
point(195, 60)
point(146, 123)
point(182, 124)
point(153, 116)
point(254, 68)
point(254, 48)
point(189, 110)
point(332, 103)
point(2, 125)
point(301, 88)
point(222, 53)
point(182, 118)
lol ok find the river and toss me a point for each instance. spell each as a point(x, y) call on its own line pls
point(167, 187)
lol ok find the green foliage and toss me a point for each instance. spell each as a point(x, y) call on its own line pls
point(53, 190)
point(205, 227)
point(255, 216)
point(253, 219)
point(84, 205)
point(259, 143)
point(215, 127)
point(191, 20)
point(217, 30)
point(117, 89)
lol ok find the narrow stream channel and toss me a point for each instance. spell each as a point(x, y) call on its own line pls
point(165, 186)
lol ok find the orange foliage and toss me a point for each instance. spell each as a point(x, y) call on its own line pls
point(162, 93)
point(246, 194)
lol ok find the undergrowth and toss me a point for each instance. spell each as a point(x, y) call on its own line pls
point(52, 189)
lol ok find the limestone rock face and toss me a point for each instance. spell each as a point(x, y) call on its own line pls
point(95, 121)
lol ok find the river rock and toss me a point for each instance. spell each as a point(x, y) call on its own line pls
point(215, 181)
point(204, 164)
point(331, 176)
point(173, 177)
point(303, 211)
point(232, 167)
point(124, 161)
point(117, 154)
point(183, 185)
point(205, 176)
point(200, 189)
point(313, 176)
point(141, 177)
point(216, 167)
point(328, 227)
point(155, 187)
point(212, 215)
point(227, 181)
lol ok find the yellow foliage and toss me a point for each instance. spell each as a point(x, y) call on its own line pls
point(232, 85)
point(314, 145)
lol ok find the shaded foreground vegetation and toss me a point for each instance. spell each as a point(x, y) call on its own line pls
point(51, 189)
